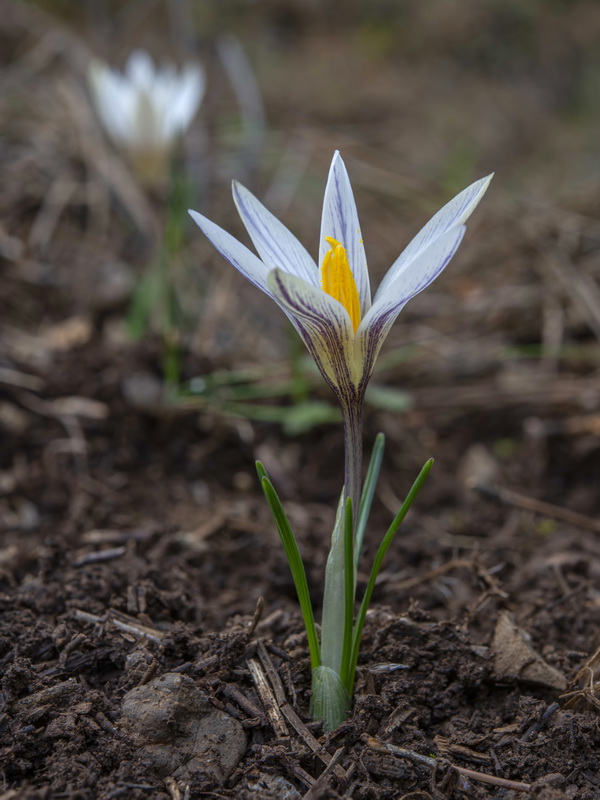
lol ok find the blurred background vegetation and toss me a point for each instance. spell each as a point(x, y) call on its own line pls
point(421, 98)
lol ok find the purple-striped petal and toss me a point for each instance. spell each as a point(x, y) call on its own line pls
point(340, 221)
point(323, 324)
point(235, 252)
point(276, 245)
point(454, 213)
point(417, 275)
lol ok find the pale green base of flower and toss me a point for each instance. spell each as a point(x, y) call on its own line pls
point(330, 701)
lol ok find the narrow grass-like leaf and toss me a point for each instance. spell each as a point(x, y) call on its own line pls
point(388, 398)
point(145, 299)
point(349, 591)
point(295, 561)
point(368, 493)
point(383, 548)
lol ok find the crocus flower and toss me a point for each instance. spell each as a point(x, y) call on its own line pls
point(144, 109)
point(330, 304)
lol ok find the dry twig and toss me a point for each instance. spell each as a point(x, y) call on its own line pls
point(268, 699)
point(315, 790)
point(431, 763)
point(48, 695)
point(97, 556)
point(129, 625)
point(510, 498)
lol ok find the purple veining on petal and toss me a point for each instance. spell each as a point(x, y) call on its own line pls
point(454, 213)
point(425, 269)
point(418, 275)
point(323, 334)
point(334, 312)
point(340, 221)
point(243, 259)
point(277, 246)
point(448, 242)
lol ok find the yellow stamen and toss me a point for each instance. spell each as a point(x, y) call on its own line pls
point(338, 281)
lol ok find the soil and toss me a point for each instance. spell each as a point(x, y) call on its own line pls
point(150, 641)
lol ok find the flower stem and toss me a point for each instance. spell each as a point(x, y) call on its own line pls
point(352, 418)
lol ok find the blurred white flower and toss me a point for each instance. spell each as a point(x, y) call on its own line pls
point(144, 108)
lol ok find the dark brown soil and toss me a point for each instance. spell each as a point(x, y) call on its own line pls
point(138, 560)
point(150, 641)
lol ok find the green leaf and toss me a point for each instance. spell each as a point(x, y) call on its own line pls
point(295, 561)
point(145, 299)
point(383, 548)
point(294, 419)
point(387, 398)
point(305, 416)
point(368, 493)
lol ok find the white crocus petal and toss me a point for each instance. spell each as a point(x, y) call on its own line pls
point(324, 325)
point(110, 94)
point(387, 305)
point(244, 260)
point(186, 99)
point(122, 105)
point(276, 245)
point(340, 222)
point(140, 70)
point(164, 91)
point(454, 213)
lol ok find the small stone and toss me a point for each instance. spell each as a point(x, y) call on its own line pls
point(179, 732)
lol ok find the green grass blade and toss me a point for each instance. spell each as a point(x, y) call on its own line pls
point(383, 548)
point(368, 493)
point(145, 299)
point(295, 561)
point(349, 591)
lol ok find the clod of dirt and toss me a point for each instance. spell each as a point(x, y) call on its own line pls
point(181, 734)
point(516, 660)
